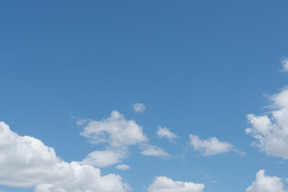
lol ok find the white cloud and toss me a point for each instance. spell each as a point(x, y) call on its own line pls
point(139, 107)
point(210, 146)
point(123, 167)
point(151, 150)
point(118, 134)
point(26, 162)
point(164, 184)
point(265, 183)
point(84, 178)
point(115, 130)
point(285, 65)
point(271, 131)
point(104, 158)
point(164, 132)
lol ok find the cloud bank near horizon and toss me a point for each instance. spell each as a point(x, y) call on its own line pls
point(27, 162)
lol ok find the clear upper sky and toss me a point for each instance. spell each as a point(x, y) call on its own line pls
point(72, 71)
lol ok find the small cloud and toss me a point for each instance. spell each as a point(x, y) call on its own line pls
point(115, 131)
point(139, 107)
point(210, 146)
point(104, 158)
point(164, 132)
point(285, 65)
point(151, 150)
point(82, 122)
point(123, 167)
point(165, 184)
point(239, 152)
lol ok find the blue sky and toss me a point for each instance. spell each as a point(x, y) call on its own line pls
point(72, 72)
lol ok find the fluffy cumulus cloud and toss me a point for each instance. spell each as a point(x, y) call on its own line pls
point(164, 132)
point(164, 184)
point(26, 162)
point(139, 107)
point(84, 178)
point(210, 146)
point(115, 130)
point(118, 134)
point(265, 183)
point(271, 131)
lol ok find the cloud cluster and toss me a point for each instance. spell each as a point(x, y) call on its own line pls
point(139, 107)
point(117, 134)
point(164, 184)
point(26, 162)
point(265, 183)
point(164, 132)
point(271, 131)
point(210, 146)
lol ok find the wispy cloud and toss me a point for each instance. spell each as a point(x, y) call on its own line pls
point(139, 107)
point(285, 65)
point(151, 150)
point(164, 132)
point(123, 167)
point(104, 158)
